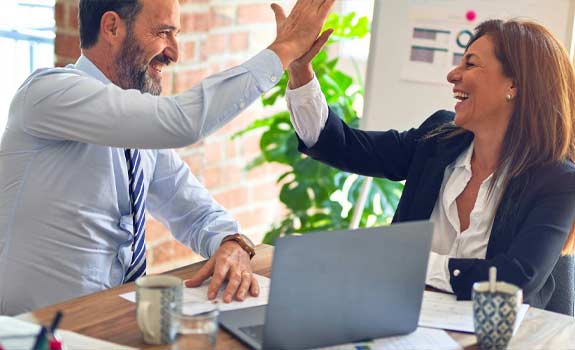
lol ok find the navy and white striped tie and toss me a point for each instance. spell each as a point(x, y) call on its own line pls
point(136, 176)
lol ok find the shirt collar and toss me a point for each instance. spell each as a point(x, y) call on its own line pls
point(464, 159)
point(85, 65)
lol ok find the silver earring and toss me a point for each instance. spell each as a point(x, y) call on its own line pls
point(509, 97)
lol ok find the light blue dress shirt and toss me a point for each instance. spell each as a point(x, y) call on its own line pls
point(65, 222)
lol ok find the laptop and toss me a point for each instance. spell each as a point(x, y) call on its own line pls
point(338, 287)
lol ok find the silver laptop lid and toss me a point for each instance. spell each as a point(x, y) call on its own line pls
point(341, 286)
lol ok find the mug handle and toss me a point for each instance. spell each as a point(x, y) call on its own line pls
point(142, 312)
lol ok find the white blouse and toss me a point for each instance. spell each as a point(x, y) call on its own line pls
point(309, 112)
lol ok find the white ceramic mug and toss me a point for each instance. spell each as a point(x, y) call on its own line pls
point(157, 298)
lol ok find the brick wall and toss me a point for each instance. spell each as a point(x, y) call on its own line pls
point(216, 34)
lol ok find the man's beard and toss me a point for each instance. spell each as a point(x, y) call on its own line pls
point(133, 68)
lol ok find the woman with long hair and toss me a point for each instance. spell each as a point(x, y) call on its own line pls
point(496, 177)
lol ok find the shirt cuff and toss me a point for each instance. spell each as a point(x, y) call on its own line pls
point(266, 68)
point(305, 92)
point(308, 111)
point(216, 242)
point(438, 272)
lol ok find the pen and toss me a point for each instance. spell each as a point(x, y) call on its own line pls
point(55, 343)
point(55, 322)
point(40, 338)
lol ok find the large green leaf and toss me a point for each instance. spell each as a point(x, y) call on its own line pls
point(295, 196)
point(347, 27)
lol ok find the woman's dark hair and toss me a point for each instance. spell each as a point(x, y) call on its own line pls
point(541, 128)
point(91, 11)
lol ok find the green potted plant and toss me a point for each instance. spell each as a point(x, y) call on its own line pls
point(319, 197)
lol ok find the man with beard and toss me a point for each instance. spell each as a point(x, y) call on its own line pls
point(87, 150)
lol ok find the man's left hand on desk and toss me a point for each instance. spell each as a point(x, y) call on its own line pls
point(230, 262)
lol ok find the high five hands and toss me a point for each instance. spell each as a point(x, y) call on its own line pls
point(298, 35)
point(297, 42)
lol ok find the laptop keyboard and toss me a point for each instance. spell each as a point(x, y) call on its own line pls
point(255, 332)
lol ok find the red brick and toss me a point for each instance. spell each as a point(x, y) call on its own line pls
point(234, 198)
point(185, 80)
point(251, 14)
point(188, 51)
point(238, 123)
point(251, 144)
point(215, 67)
point(196, 163)
point(175, 263)
point(256, 217)
point(195, 22)
point(232, 63)
point(214, 44)
point(60, 14)
point(169, 251)
point(155, 231)
point(212, 176)
point(214, 153)
point(232, 174)
point(231, 149)
point(239, 42)
point(222, 16)
point(267, 170)
point(72, 17)
point(247, 219)
point(222, 175)
point(67, 45)
point(265, 191)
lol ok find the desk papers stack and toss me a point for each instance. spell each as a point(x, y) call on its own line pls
point(441, 310)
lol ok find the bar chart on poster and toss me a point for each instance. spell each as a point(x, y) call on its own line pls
point(415, 43)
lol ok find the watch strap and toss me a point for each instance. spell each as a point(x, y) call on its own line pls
point(243, 242)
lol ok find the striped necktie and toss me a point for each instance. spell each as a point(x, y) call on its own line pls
point(136, 176)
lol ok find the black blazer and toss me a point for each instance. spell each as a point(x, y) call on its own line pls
point(531, 223)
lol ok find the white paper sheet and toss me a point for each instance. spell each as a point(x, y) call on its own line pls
point(440, 310)
point(18, 334)
point(422, 338)
point(196, 299)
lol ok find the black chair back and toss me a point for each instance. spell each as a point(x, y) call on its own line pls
point(562, 300)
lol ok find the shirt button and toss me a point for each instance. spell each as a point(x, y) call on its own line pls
point(273, 78)
point(242, 104)
point(456, 272)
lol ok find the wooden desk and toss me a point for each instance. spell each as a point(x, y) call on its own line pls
point(106, 316)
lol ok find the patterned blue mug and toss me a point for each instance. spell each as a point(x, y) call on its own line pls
point(495, 313)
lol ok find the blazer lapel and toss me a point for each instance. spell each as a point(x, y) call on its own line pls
point(429, 184)
point(503, 228)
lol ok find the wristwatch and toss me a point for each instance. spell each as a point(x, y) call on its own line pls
point(243, 241)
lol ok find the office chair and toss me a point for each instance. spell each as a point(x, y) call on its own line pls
point(563, 298)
